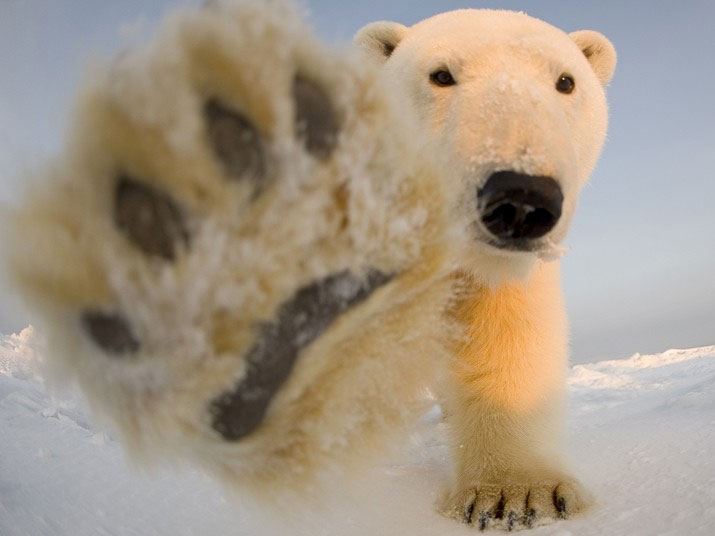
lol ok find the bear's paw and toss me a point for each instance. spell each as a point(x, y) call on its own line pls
point(517, 503)
point(241, 255)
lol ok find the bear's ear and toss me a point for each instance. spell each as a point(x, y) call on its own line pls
point(379, 39)
point(598, 51)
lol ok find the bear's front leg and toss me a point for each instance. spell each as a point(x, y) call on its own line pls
point(505, 406)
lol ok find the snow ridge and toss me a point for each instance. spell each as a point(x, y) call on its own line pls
point(19, 354)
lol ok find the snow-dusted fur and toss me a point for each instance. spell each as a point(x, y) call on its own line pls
point(504, 113)
point(173, 318)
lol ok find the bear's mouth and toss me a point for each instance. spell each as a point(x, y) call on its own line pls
point(301, 320)
point(516, 246)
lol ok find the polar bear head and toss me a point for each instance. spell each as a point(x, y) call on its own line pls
point(518, 110)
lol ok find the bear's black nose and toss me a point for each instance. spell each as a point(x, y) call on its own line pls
point(516, 207)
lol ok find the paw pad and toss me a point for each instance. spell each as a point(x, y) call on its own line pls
point(110, 331)
point(149, 218)
point(300, 321)
point(236, 142)
point(315, 119)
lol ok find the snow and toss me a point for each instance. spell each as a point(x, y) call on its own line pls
point(641, 436)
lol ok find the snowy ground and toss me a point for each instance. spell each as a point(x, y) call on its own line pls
point(642, 437)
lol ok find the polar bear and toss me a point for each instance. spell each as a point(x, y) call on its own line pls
point(517, 107)
point(245, 255)
point(242, 254)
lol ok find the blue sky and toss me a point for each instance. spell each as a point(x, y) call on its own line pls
point(640, 275)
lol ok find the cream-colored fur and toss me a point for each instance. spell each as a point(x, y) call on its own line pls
point(505, 400)
point(377, 202)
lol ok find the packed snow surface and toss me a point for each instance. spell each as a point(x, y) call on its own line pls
point(641, 436)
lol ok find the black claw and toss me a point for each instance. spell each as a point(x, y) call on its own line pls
point(484, 518)
point(511, 520)
point(468, 511)
point(315, 120)
point(149, 217)
point(561, 505)
point(499, 512)
point(236, 142)
point(530, 517)
point(110, 331)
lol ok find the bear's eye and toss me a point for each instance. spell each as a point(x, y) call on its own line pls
point(565, 84)
point(442, 78)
